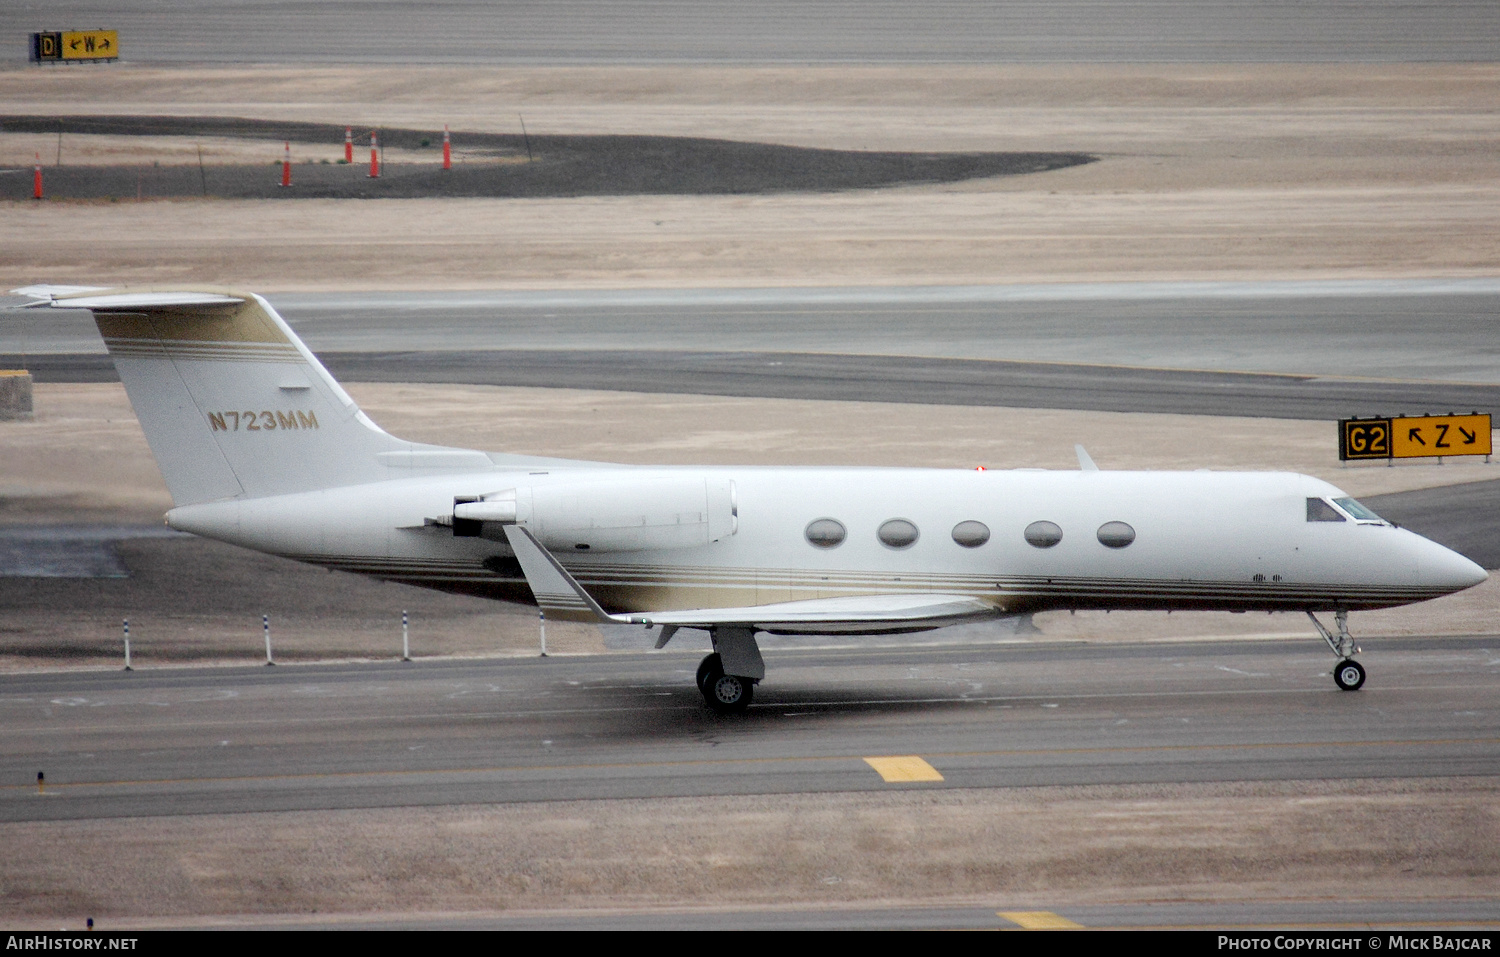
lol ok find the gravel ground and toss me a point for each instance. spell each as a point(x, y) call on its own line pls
point(1019, 848)
point(1205, 171)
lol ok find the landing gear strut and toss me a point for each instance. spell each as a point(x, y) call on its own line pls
point(1349, 674)
point(727, 677)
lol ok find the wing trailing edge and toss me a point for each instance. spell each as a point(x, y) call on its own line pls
point(560, 596)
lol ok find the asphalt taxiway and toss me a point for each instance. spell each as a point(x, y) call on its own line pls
point(1300, 350)
point(441, 733)
point(870, 31)
point(1406, 330)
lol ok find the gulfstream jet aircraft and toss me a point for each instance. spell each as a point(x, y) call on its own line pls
point(260, 447)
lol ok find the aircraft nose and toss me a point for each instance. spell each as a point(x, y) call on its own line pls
point(1447, 569)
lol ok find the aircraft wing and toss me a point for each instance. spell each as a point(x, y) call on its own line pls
point(853, 613)
point(560, 595)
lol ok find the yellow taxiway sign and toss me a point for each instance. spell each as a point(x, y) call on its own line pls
point(1416, 436)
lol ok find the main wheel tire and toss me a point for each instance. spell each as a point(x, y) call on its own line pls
point(729, 694)
point(711, 665)
point(1349, 675)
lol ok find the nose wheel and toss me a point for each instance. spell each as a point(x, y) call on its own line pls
point(726, 694)
point(1349, 674)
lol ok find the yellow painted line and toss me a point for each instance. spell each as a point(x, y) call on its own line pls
point(1039, 920)
point(901, 769)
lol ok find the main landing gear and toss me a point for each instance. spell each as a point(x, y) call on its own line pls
point(727, 678)
point(726, 694)
point(1349, 674)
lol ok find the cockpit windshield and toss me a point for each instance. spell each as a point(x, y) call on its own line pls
point(1357, 511)
point(1320, 511)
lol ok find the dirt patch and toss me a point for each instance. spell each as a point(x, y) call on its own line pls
point(1352, 840)
point(502, 165)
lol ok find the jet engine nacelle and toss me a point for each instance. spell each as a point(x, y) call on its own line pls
point(619, 515)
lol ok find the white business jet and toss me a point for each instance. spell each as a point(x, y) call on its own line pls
point(260, 447)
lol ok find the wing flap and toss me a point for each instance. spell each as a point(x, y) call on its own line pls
point(559, 594)
point(855, 613)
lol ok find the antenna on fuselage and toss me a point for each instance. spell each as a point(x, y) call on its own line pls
point(1084, 461)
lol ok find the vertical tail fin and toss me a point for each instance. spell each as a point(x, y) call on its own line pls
point(234, 405)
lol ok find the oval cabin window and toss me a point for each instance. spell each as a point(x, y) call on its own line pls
point(971, 534)
point(897, 533)
point(1116, 534)
point(825, 533)
point(1043, 534)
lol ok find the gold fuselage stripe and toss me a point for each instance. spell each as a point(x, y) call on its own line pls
point(655, 589)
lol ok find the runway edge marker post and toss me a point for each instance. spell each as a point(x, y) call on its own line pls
point(265, 623)
point(447, 149)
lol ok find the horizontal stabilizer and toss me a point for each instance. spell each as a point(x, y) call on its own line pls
point(131, 301)
point(46, 293)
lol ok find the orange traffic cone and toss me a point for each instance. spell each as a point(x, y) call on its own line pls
point(36, 179)
point(374, 157)
point(286, 166)
point(348, 144)
point(447, 149)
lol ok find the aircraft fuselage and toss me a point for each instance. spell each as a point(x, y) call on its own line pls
point(1237, 541)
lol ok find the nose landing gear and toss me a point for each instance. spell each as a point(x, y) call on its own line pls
point(1349, 674)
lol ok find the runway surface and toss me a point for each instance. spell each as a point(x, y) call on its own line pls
point(1440, 330)
point(1309, 350)
point(870, 31)
point(1356, 917)
point(898, 379)
point(173, 742)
